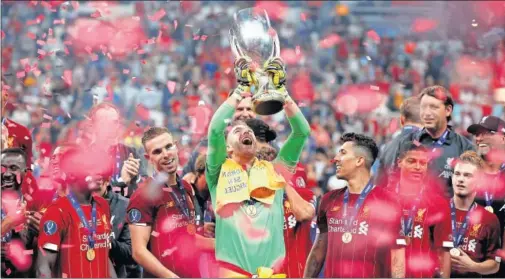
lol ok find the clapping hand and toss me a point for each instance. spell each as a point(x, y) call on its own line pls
point(130, 169)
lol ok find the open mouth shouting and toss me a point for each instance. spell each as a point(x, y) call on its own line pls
point(8, 181)
point(246, 139)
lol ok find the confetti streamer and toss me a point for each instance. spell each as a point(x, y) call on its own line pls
point(158, 15)
point(20, 74)
point(171, 86)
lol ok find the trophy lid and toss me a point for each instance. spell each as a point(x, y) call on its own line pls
point(252, 35)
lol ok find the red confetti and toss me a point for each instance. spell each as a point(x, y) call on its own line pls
point(141, 51)
point(28, 252)
point(196, 38)
point(48, 117)
point(272, 32)
point(3, 34)
point(45, 125)
point(371, 34)
point(94, 57)
point(50, 33)
point(41, 52)
point(303, 16)
point(171, 86)
point(96, 14)
point(64, 275)
point(75, 5)
point(67, 77)
point(40, 42)
point(126, 71)
point(28, 197)
point(330, 41)
point(158, 15)
point(203, 38)
point(20, 74)
point(31, 35)
point(8, 271)
point(175, 24)
point(155, 233)
point(144, 62)
point(45, 4)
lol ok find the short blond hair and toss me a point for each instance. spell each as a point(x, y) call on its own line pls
point(473, 158)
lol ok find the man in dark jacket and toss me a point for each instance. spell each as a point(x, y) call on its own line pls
point(410, 120)
point(121, 251)
point(445, 144)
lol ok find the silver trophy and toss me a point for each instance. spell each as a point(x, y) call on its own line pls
point(252, 36)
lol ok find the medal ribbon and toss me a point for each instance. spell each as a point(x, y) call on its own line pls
point(407, 226)
point(80, 213)
point(488, 196)
point(182, 204)
point(368, 188)
point(457, 235)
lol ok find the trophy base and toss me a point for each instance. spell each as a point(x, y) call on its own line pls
point(268, 103)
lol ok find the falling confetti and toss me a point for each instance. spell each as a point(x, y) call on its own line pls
point(474, 23)
point(158, 15)
point(171, 86)
point(175, 24)
point(155, 233)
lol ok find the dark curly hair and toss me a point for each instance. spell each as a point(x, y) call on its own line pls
point(366, 144)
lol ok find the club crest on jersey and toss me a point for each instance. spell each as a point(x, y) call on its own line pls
point(420, 214)
point(169, 204)
point(474, 232)
point(335, 208)
point(105, 223)
point(50, 227)
point(134, 215)
point(300, 182)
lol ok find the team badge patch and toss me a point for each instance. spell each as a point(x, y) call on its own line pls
point(50, 227)
point(300, 182)
point(134, 215)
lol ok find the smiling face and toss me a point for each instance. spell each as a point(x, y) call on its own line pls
point(161, 152)
point(13, 170)
point(463, 177)
point(487, 141)
point(434, 113)
point(414, 166)
point(241, 141)
point(244, 110)
point(347, 161)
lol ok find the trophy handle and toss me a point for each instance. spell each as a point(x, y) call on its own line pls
point(234, 46)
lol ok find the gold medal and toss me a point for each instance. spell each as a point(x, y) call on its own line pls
point(455, 252)
point(489, 208)
point(347, 237)
point(191, 228)
point(90, 254)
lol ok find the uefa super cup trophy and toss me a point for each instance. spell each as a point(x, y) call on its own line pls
point(252, 36)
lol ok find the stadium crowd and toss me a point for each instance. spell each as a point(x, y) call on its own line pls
point(114, 153)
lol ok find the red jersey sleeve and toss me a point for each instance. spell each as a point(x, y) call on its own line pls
point(322, 223)
point(307, 195)
point(52, 228)
point(141, 210)
point(493, 239)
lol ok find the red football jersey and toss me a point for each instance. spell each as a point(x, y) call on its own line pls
point(431, 226)
point(172, 240)
point(482, 238)
point(296, 237)
point(374, 233)
point(62, 231)
point(19, 136)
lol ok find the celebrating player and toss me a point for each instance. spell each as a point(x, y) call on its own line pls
point(425, 221)
point(296, 233)
point(247, 193)
point(358, 224)
point(75, 229)
point(475, 231)
point(162, 219)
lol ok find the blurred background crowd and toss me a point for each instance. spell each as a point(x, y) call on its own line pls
point(350, 65)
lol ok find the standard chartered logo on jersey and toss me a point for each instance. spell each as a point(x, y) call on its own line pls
point(102, 241)
point(339, 226)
